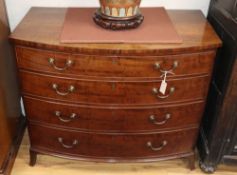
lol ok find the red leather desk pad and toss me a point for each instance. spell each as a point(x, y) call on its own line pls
point(157, 27)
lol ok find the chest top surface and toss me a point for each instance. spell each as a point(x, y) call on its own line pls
point(42, 27)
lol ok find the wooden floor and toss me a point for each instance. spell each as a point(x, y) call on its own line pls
point(47, 165)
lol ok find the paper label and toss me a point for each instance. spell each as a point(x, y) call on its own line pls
point(163, 87)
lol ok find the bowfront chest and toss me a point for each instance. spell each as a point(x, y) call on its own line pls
point(102, 102)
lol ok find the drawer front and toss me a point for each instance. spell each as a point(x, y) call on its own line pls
point(66, 64)
point(112, 145)
point(104, 92)
point(94, 118)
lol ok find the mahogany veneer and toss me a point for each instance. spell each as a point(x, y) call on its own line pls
point(115, 66)
point(111, 146)
point(98, 118)
point(101, 102)
point(113, 92)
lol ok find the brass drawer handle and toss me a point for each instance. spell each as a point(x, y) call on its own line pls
point(158, 67)
point(59, 115)
point(153, 119)
point(156, 92)
point(68, 64)
point(70, 89)
point(74, 143)
point(163, 144)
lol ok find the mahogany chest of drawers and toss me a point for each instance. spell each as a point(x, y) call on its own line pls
point(101, 102)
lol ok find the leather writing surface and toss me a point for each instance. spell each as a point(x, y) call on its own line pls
point(157, 27)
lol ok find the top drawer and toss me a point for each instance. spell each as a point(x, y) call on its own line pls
point(112, 66)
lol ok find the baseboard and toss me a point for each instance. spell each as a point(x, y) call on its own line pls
point(9, 162)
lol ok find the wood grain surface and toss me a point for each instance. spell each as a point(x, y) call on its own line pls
point(113, 93)
point(114, 66)
point(48, 165)
point(113, 76)
point(113, 119)
point(111, 147)
point(196, 32)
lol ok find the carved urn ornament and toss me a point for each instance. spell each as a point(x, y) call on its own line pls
point(119, 14)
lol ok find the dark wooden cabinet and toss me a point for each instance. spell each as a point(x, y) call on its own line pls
point(218, 137)
point(11, 121)
point(100, 102)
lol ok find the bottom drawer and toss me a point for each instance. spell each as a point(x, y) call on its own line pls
point(111, 146)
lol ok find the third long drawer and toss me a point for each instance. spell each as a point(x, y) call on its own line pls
point(114, 119)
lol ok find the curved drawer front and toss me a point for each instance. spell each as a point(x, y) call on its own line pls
point(108, 119)
point(108, 66)
point(104, 92)
point(97, 145)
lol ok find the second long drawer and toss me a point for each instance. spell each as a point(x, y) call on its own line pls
point(113, 119)
point(110, 92)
